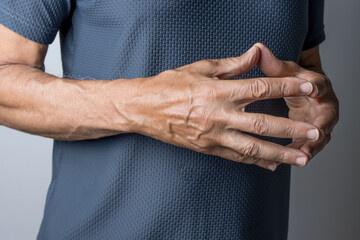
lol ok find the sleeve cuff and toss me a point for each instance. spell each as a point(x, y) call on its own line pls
point(27, 28)
point(313, 42)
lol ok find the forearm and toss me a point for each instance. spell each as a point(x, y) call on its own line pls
point(35, 102)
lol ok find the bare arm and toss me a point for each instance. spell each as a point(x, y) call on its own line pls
point(194, 106)
point(39, 103)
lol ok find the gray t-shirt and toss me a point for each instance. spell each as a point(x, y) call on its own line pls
point(131, 186)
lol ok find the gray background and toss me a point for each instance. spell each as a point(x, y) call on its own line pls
point(325, 195)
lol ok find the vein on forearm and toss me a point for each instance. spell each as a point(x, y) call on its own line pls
point(39, 103)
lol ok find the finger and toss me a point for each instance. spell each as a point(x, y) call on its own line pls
point(297, 143)
point(270, 165)
point(234, 66)
point(264, 88)
point(232, 155)
point(325, 124)
point(258, 148)
point(230, 67)
point(325, 121)
point(313, 148)
point(321, 83)
point(268, 125)
point(310, 147)
point(274, 67)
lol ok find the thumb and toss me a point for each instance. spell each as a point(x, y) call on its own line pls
point(234, 66)
point(272, 66)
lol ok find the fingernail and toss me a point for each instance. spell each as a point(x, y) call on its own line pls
point(313, 134)
point(306, 87)
point(272, 167)
point(301, 161)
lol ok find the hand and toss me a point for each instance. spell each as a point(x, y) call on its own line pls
point(195, 107)
point(320, 108)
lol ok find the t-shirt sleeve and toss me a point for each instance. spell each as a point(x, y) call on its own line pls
point(37, 20)
point(316, 33)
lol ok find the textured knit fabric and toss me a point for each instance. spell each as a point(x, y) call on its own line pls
point(131, 186)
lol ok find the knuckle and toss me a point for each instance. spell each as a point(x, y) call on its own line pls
point(260, 126)
point(230, 60)
point(280, 157)
point(327, 82)
point(201, 143)
point(324, 81)
point(203, 146)
point(260, 88)
point(252, 160)
point(321, 78)
point(285, 88)
point(240, 158)
point(321, 81)
point(251, 149)
point(290, 131)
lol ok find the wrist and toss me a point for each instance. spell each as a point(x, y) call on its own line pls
point(124, 110)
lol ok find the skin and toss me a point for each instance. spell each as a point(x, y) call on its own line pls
point(320, 109)
point(195, 106)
